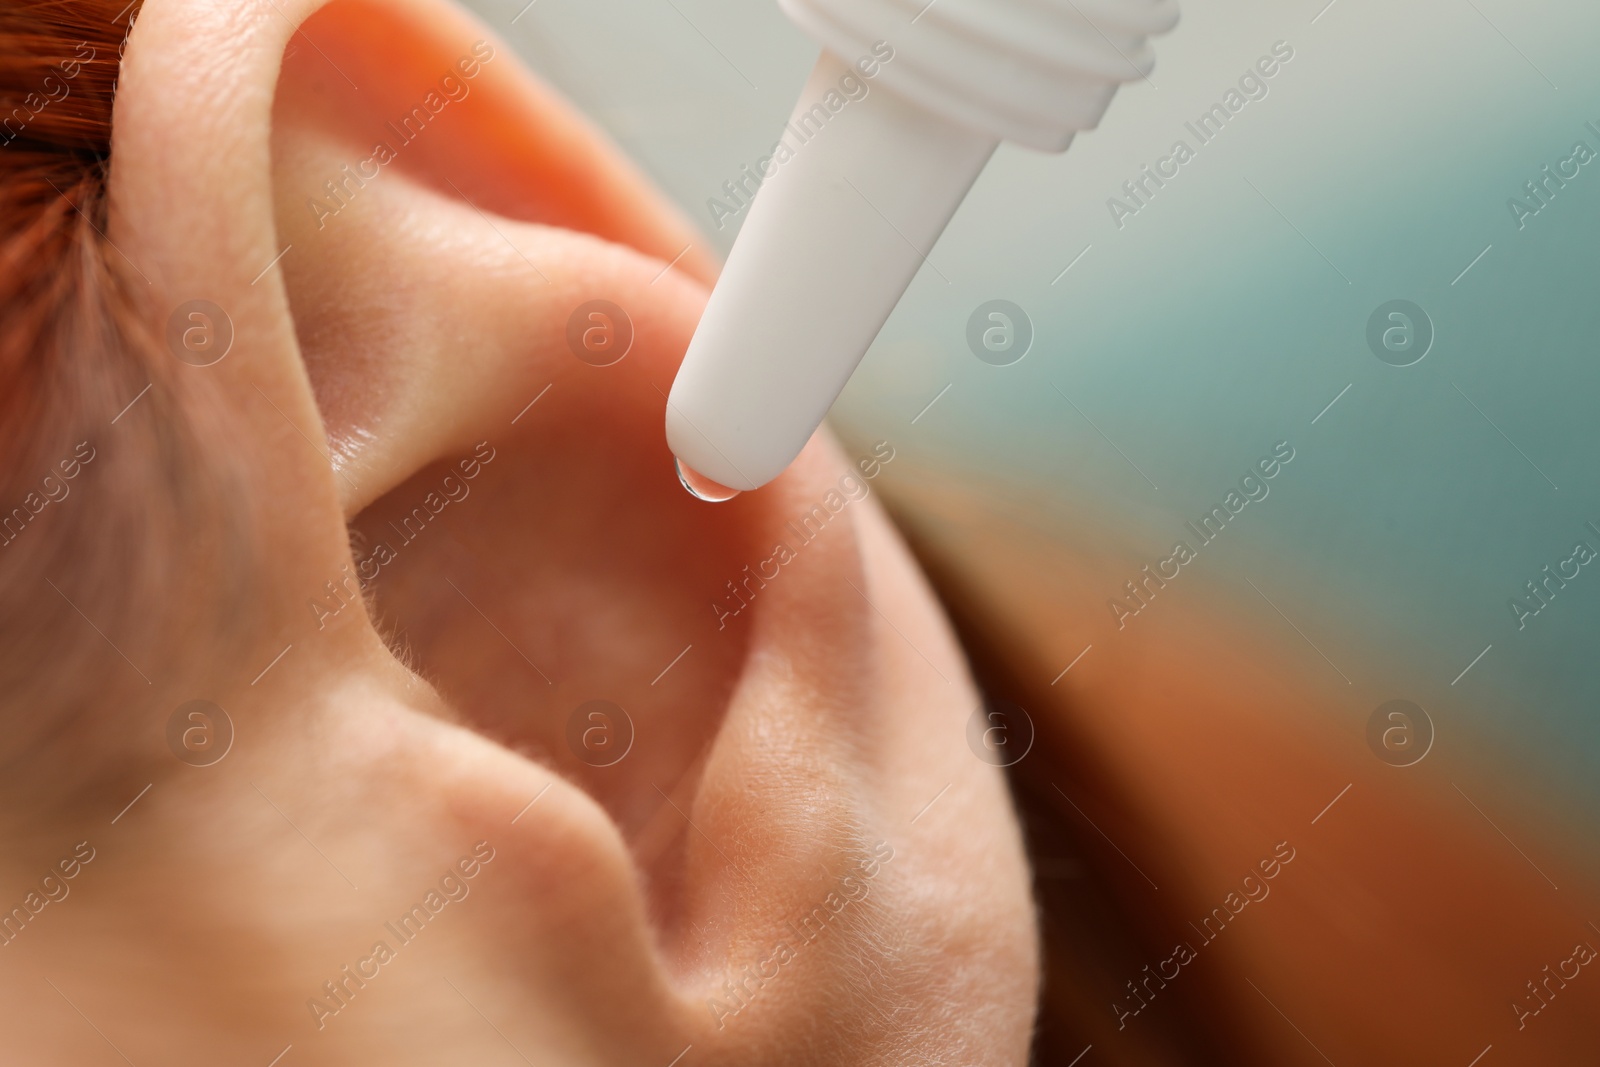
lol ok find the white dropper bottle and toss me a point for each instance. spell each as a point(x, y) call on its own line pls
point(903, 109)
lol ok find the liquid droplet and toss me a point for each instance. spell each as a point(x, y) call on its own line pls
point(700, 487)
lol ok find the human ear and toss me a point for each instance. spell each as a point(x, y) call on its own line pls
point(595, 567)
point(417, 327)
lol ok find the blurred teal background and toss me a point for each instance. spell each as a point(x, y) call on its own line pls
point(1232, 309)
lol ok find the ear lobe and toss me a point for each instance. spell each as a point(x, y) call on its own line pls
point(445, 223)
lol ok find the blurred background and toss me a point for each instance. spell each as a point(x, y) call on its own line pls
point(1384, 667)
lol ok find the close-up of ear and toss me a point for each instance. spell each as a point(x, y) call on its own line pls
point(720, 751)
point(480, 585)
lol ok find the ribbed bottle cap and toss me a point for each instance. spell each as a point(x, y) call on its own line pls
point(1030, 71)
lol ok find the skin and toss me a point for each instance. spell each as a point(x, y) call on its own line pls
point(823, 725)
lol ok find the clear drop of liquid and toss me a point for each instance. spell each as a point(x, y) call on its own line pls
point(700, 487)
